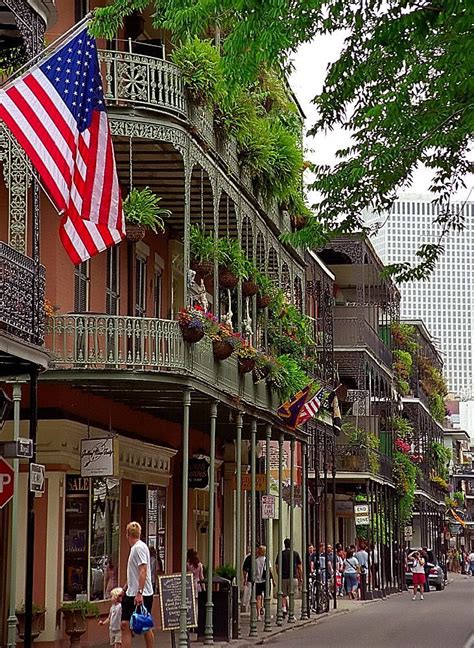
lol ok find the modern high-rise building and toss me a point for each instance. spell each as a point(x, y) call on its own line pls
point(445, 299)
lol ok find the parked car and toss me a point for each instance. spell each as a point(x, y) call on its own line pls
point(436, 576)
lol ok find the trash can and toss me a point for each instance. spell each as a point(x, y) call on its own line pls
point(222, 611)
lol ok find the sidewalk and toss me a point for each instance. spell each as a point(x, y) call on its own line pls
point(344, 606)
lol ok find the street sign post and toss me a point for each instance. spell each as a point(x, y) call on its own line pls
point(361, 513)
point(6, 482)
point(268, 507)
point(37, 478)
point(17, 449)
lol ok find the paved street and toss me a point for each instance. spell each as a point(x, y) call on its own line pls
point(442, 620)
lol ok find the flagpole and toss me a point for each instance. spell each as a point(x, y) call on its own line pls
point(47, 50)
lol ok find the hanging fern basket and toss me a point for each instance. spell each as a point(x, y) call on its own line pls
point(203, 268)
point(135, 233)
point(249, 288)
point(263, 301)
point(227, 279)
point(221, 349)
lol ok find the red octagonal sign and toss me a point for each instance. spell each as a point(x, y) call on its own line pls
point(6, 482)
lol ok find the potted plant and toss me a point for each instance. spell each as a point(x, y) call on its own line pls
point(264, 364)
point(191, 323)
point(37, 620)
point(201, 69)
point(233, 264)
point(246, 357)
point(142, 211)
point(224, 340)
point(75, 613)
point(249, 284)
point(265, 290)
point(203, 248)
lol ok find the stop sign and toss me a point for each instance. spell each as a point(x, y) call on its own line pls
point(6, 482)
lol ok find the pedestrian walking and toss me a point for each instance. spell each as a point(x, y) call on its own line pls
point(138, 590)
point(417, 568)
point(471, 563)
point(425, 554)
point(285, 572)
point(114, 618)
point(195, 567)
point(363, 559)
point(351, 569)
point(261, 566)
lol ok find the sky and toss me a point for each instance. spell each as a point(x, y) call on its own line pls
point(311, 62)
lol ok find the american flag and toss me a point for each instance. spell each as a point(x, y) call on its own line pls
point(56, 111)
point(311, 408)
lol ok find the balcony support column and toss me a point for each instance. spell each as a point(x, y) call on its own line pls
point(371, 552)
point(268, 613)
point(253, 527)
point(325, 477)
point(291, 602)
point(186, 228)
point(304, 531)
point(333, 474)
point(279, 619)
point(183, 608)
point(209, 629)
point(238, 512)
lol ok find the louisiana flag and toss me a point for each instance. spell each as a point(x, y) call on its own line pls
point(289, 412)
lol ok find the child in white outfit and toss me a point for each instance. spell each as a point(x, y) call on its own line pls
point(114, 620)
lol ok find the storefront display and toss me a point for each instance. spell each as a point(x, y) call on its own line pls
point(91, 538)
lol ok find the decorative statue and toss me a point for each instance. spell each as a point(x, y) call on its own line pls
point(201, 296)
point(247, 322)
point(227, 318)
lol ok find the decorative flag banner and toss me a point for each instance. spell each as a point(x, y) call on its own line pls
point(290, 411)
point(56, 111)
point(333, 403)
point(311, 407)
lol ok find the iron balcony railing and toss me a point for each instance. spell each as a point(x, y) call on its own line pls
point(91, 341)
point(351, 458)
point(355, 333)
point(22, 286)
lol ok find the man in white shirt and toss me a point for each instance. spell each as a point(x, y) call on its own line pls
point(138, 590)
point(470, 559)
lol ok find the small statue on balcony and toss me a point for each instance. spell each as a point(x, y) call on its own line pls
point(247, 322)
point(201, 296)
point(227, 317)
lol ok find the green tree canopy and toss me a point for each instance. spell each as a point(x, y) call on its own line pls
point(403, 86)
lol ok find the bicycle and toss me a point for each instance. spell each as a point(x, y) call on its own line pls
point(318, 595)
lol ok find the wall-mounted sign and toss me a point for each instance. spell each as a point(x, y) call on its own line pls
point(198, 472)
point(268, 507)
point(99, 457)
point(361, 514)
point(260, 479)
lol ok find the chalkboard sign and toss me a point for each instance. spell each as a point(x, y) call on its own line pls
point(170, 601)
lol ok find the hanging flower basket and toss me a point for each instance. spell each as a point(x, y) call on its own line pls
point(203, 268)
point(222, 349)
point(227, 279)
point(298, 222)
point(249, 288)
point(191, 335)
point(246, 365)
point(135, 233)
point(263, 301)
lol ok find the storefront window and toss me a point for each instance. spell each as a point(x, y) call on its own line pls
point(91, 542)
point(149, 509)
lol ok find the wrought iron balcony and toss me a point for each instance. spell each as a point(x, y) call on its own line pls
point(156, 84)
point(355, 333)
point(352, 459)
point(21, 296)
point(90, 342)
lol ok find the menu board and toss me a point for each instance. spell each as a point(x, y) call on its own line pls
point(170, 601)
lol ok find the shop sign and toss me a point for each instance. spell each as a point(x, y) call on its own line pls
point(260, 481)
point(268, 507)
point(198, 472)
point(99, 457)
point(76, 485)
point(170, 601)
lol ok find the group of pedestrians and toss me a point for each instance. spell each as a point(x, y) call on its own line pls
point(461, 561)
point(348, 566)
